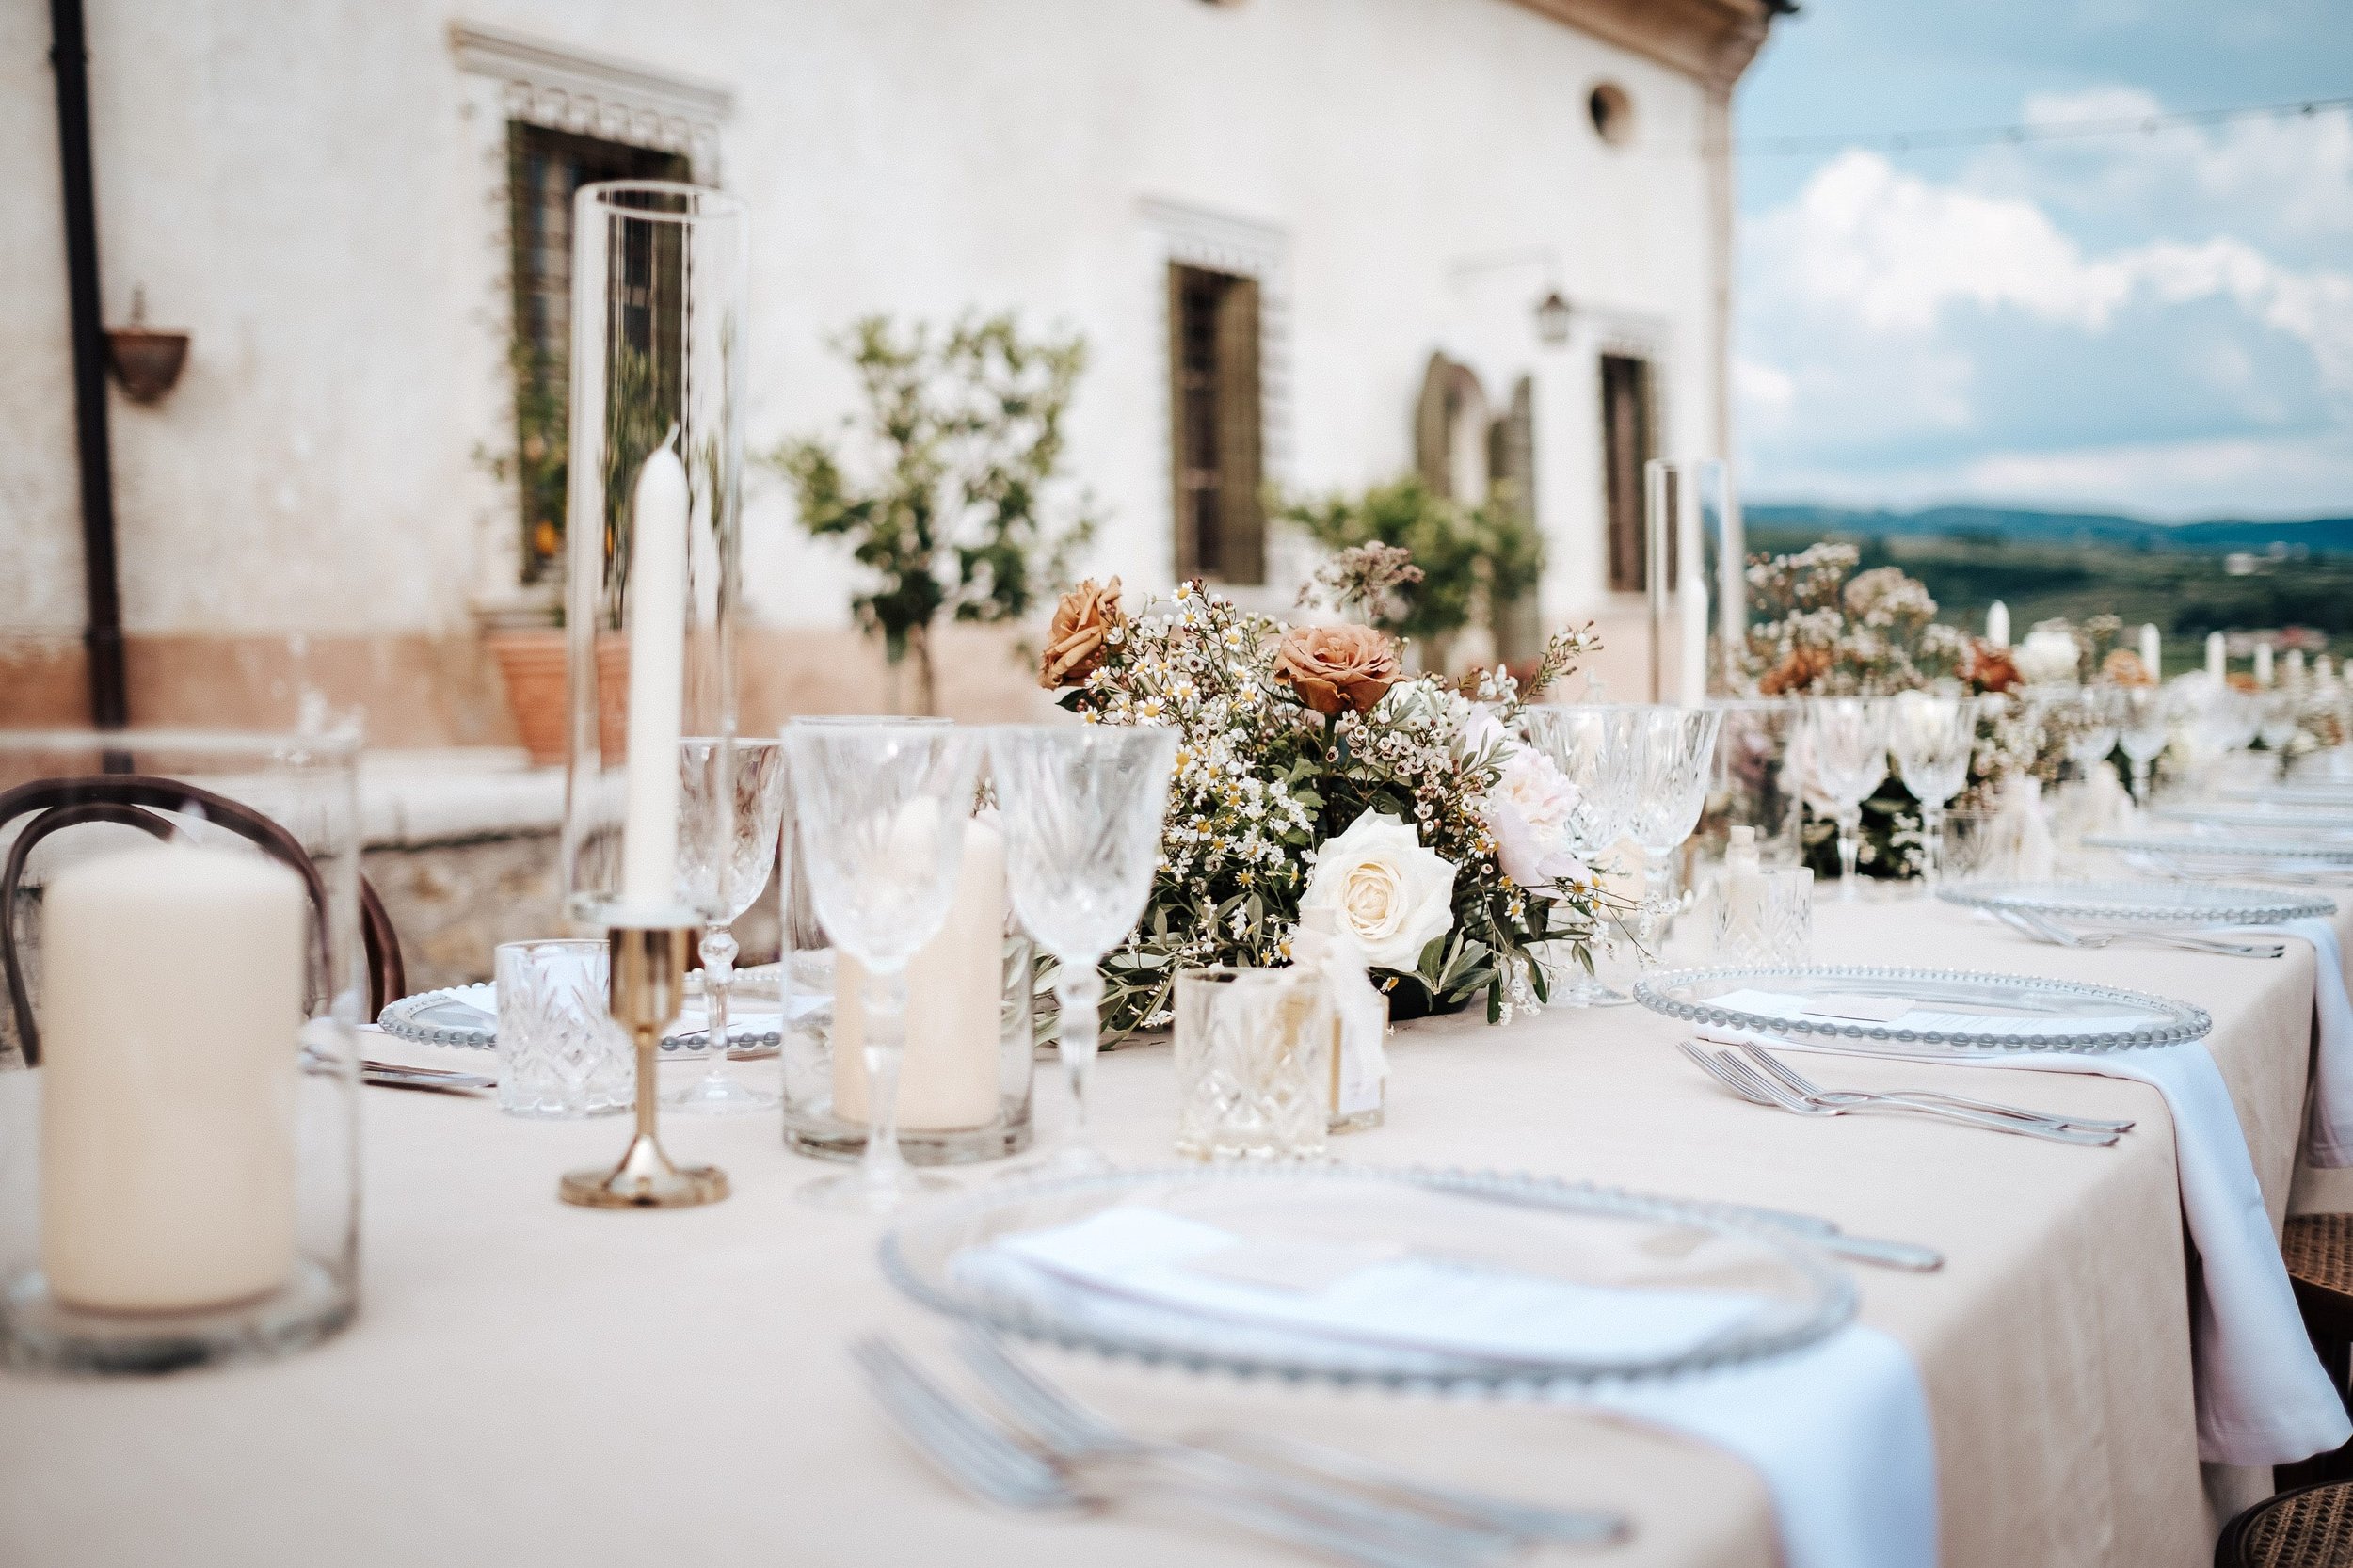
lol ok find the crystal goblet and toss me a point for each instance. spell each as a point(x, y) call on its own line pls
point(1590, 745)
point(749, 811)
point(1083, 807)
point(1846, 749)
point(880, 811)
point(1931, 738)
point(1668, 768)
point(2142, 723)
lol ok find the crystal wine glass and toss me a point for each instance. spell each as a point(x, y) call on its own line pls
point(1847, 746)
point(881, 810)
point(1589, 745)
point(1668, 772)
point(1083, 807)
point(1931, 737)
point(2143, 715)
point(753, 800)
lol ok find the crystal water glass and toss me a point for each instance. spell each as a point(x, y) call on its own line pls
point(1083, 807)
point(1847, 749)
point(1931, 738)
point(1590, 745)
point(1669, 753)
point(2143, 723)
point(881, 810)
point(746, 808)
point(1253, 1057)
point(560, 1053)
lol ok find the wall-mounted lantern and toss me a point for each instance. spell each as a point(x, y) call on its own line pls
point(146, 362)
point(1552, 319)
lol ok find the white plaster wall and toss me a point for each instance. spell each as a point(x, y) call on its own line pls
point(305, 186)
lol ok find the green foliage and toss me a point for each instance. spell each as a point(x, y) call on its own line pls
point(962, 519)
point(1471, 557)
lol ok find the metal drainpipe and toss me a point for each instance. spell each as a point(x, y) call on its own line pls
point(102, 637)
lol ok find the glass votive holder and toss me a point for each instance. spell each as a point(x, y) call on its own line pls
point(1253, 1064)
point(1968, 845)
point(560, 1053)
point(1764, 917)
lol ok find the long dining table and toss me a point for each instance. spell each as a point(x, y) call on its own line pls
point(528, 1383)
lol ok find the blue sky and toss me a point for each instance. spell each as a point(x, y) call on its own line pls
point(2159, 323)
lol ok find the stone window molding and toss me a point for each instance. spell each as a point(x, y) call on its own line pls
point(1196, 236)
point(566, 89)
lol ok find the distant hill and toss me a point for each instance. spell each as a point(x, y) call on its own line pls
point(2320, 535)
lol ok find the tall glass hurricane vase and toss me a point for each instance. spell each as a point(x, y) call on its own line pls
point(1846, 751)
point(1931, 738)
point(1592, 745)
point(1670, 757)
point(654, 496)
point(1083, 807)
point(881, 810)
point(733, 808)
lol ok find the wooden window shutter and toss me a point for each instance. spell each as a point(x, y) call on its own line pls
point(1433, 426)
point(1626, 436)
point(1518, 622)
point(1241, 513)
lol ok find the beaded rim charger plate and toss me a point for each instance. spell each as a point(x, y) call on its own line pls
point(468, 1015)
point(2319, 821)
point(1948, 1009)
point(2238, 845)
point(1626, 1273)
point(2140, 901)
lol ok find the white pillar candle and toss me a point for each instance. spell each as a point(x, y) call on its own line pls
point(2263, 664)
point(2152, 651)
point(2217, 655)
point(2296, 666)
point(1997, 624)
point(1691, 608)
point(657, 679)
point(173, 993)
point(955, 986)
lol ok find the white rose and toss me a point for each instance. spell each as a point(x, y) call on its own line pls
point(2046, 656)
point(1391, 894)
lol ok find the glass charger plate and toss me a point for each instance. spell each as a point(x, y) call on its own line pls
point(2241, 845)
point(1435, 1279)
point(2140, 902)
point(2293, 820)
point(468, 1015)
point(1944, 1009)
point(2293, 794)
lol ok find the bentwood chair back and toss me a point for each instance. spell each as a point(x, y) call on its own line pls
point(137, 800)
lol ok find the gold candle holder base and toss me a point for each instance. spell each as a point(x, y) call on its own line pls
point(648, 984)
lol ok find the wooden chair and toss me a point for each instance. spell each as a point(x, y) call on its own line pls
point(137, 800)
point(2318, 1249)
point(2309, 1528)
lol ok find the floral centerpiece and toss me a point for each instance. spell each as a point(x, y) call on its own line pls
point(1312, 772)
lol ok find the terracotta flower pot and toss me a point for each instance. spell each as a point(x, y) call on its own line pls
point(531, 661)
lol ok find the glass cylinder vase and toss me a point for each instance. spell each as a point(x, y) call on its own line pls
point(186, 966)
point(654, 498)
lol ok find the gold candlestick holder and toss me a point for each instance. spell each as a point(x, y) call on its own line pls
point(647, 985)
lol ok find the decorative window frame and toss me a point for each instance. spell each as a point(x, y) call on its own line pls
point(1640, 335)
point(505, 77)
point(1194, 236)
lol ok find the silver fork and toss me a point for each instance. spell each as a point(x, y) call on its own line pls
point(979, 1456)
point(1448, 1515)
point(1792, 1079)
point(2042, 928)
point(1754, 1086)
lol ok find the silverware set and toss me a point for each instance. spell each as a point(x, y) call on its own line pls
point(1757, 1076)
point(395, 1074)
point(1043, 1450)
point(2042, 928)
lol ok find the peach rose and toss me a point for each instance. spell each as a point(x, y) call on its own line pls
point(1074, 643)
point(1332, 667)
point(2122, 667)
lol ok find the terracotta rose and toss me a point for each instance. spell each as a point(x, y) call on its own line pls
point(1074, 643)
point(1332, 667)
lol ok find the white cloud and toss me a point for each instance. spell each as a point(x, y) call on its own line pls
point(1765, 393)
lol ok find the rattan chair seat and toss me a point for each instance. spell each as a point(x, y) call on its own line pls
point(2308, 1529)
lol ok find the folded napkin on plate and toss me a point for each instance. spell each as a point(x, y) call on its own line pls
point(1839, 1431)
point(2263, 1396)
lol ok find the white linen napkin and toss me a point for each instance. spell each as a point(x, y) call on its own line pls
point(2263, 1396)
point(1839, 1431)
point(2328, 1130)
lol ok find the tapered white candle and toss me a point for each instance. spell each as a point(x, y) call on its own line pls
point(1997, 624)
point(2217, 655)
point(2263, 664)
point(1691, 675)
point(2152, 651)
point(657, 679)
point(955, 989)
point(2296, 666)
point(167, 1089)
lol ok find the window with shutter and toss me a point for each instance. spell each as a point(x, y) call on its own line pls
point(1626, 444)
point(1216, 432)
